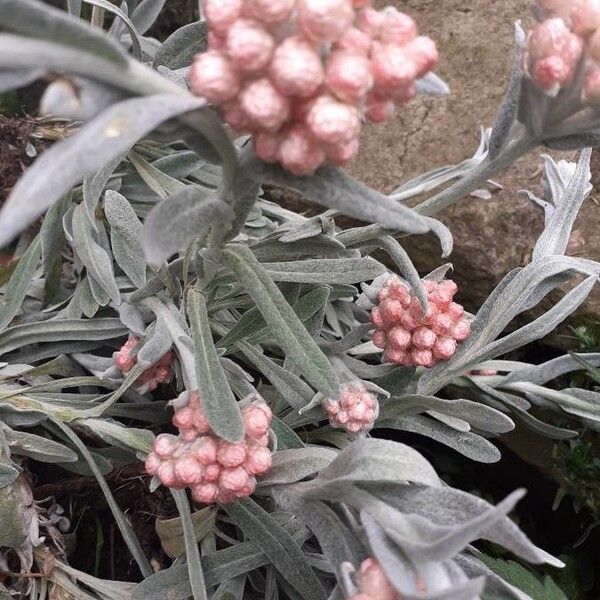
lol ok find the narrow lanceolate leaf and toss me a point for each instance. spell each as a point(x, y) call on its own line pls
point(17, 286)
point(146, 13)
point(38, 447)
point(296, 464)
point(52, 235)
point(180, 219)
point(218, 401)
point(180, 47)
point(125, 237)
point(93, 256)
point(286, 328)
point(37, 19)
point(332, 188)
point(279, 546)
point(64, 165)
point(93, 186)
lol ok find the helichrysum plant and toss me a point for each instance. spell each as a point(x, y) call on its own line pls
point(155, 288)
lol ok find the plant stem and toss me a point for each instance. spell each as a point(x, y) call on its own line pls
point(478, 176)
point(97, 17)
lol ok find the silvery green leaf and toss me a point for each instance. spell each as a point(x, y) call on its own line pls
point(285, 326)
point(401, 259)
point(286, 436)
point(576, 141)
point(131, 317)
point(508, 110)
point(219, 403)
point(178, 220)
point(39, 20)
point(552, 369)
point(93, 186)
point(146, 13)
point(115, 434)
point(332, 188)
point(17, 286)
point(14, 79)
point(160, 183)
point(180, 47)
point(557, 230)
point(8, 475)
point(469, 444)
point(52, 238)
point(115, 10)
point(447, 507)
point(479, 416)
point(125, 236)
point(170, 531)
point(294, 465)
point(233, 589)
point(278, 545)
point(432, 85)
point(60, 331)
point(156, 344)
point(38, 447)
point(93, 256)
point(325, 270)
point(74, 7)
point(179, 165)
point(375, 460)
point(66, 163)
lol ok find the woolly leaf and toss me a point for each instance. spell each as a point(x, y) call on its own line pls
point(180, 47)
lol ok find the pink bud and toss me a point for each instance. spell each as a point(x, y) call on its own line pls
point(249, 46)
point(232, 455)
point(348, 75)
point(221, 14)
point(205, 450)
point(371, 22)
point(341, 154)
point(266, 146)
point(259, 461)
point(359, 412)
point(374, 581)
point(461, 330)
point(380, 339)
point(299, 152)
point(444, 348)
point(212, 472)
point(124, 362)
point(213, 77)
point(296, 68)
point(455, 310)
point(333, 122)
point(162, 374)
point(235, 117)
point(205, 493)
point(165, 445)
point(394, 356)
point(397, 28)
point(378, 110)
point(233, 480)
point(583, 15)
point(248, 488)
point(269, 11)
point(393, 69)
point(391, 311)
point(324, 20)
point(423, 358)
point(152, 464)
point(376, 317)
point(423, 53)
point(188, 470)
point(184, 418)
point(257, 419)
point(355, 41)
point(166, 474)
point(332, 407)
point(214, 41)
point(200, 421)
point(188, 435)
point(409, 321)
point(264, 105)
point(442, 324)
point(424, 338)
point(399, 338)
point(348, 400)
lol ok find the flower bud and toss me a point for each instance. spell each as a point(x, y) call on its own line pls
point(266, 146)
point(259, 460)
point(264, 104)
point(269, 11)
point(299, 152)
point(205, 493)
point(165, 445)
point(213, 77)
point(204, 450)
point(257, 419)
point(188, 470)
point(354, 41)
point(424, 338)
point(393, 68)
point(221, 14)
point(324, 20)
point(153, 463)
point(461, 330)
point(232, 455)
point(397, 28)
point(249, 46)
point(348, 76)
point(233, 480)
point(374, 582)
point(166, 474)
point(444, 348)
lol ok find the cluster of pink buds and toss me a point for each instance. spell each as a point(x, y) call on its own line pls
point(125, 359)
point(407, 334)
point(555, 47)
point(355, 410)
point(300, 75)
point(214, 469)
point(374, 584)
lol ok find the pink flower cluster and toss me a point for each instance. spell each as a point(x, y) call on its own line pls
point(355, 410)
point(374, 583)
point(125, 359)
point(556, 45)
point(407, 334)
point(300, 75)
point(214, 469)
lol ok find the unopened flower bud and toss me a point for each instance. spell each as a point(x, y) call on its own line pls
point(397, 28)
point(269, 11)
point(374, 582)
point(188, 470)
point(299, 152)
point(249, 46)
point(348, 75)
point(213, 76)
point(205, 493)
point(234, 479)
point(221, 14)
point(324, 20)
point(232, 455)
point(264, 104)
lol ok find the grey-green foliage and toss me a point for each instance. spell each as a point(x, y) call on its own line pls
point(156, 225)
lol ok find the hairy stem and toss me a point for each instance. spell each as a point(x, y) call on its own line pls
point(97, 17)
point(478, 176)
